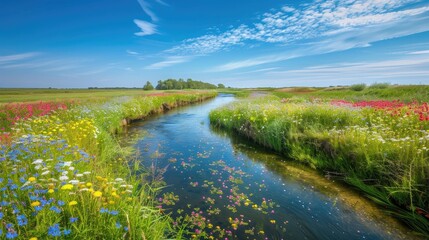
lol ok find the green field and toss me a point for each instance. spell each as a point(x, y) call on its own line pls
point(407, 93)
point(32, 95)
point(377, 141)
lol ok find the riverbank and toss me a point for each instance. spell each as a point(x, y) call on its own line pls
point(65, 175)
point(380, 148)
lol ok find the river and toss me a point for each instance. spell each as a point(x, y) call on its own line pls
point(231, 189)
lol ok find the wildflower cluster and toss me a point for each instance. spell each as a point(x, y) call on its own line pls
point(387, 141)
point(13, 112)
point(49, 184)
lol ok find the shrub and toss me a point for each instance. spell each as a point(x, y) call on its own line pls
point(358, 87)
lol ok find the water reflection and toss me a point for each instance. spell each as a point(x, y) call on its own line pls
point(229, 188)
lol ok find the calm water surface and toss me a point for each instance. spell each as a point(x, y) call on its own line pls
point(230, 188)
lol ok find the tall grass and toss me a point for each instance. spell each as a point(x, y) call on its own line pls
point(383, 152)
point(64, 175)
point(405, 93)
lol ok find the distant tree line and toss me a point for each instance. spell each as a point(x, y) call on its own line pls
point(181, 84)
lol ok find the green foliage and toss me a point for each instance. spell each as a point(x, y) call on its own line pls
point(368, 144)
point(358, 87)
point(182, 84)
point(407, 93)
point(379, 85)
point(75, 180)
point(148, 86)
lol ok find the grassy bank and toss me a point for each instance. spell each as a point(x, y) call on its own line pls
point(64, 175)
point(377, 91)
point(380, 147)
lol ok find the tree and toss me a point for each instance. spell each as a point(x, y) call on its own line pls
point(148, 86)
point(220, 85)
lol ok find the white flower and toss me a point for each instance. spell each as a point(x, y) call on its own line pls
point(38, 161)
point(38, 167)
point(65, 173)
point(64, 178)
point(45, 173)
point(67, 164)
point(74, 182)
point(119, 180)
point(87, 173)
point(79, 175)
point(71, 168)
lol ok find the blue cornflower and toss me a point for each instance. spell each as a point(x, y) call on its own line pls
point(15, 210)
point(126, 229)
point(66, 232)
point(55, 209)
point(33, 198)
point(22, 220)
point(1, 215)
point(118, 225)
point(1, 232)
point(114, 212)
point(73, 219)
point(60, 203)
point(11, 234)
point(104, 210)
point(9, 225)
point(38, 208)
point(54, 230)
point(22, 180)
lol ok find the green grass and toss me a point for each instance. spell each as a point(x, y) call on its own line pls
point(407, 93)
point(384, 155)
point(69, 165)
point(31, 95)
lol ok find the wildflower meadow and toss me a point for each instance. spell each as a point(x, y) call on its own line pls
point(380, 147)
point(64, 175)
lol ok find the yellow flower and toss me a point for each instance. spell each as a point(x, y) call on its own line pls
point(210, 225)
point(33, 238)
point(51, 191)
point(67, 187)
point(261, 232)
point(111, 202)
point(97, 194)
point(89, 184)
point(35, 204)
point(273, 221)
point(72, 203)
point(32, 179)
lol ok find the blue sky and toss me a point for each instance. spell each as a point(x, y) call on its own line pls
point(252, 43)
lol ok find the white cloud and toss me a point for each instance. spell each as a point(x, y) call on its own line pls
point(146, 28)
point(288, 9)
point(147, 9)
point(17, 57)
point(321, 20)
point(369, 72)
point(169, 61)
point(252, 62)
point(419, 52)
point(162, 2)
point(132, 52)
